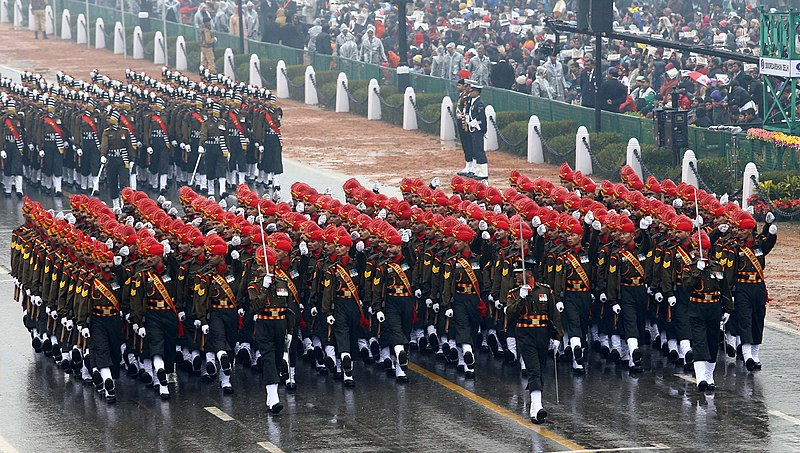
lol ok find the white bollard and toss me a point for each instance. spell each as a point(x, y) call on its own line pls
point(255, 70)
point(535, 147)
point(342, 100)
point(119, 39)
point(282, 81)
point(687, 175)
point(228, 64)
point(138, 44)
point(373, 100)
point(82, 30)
point(583, 160)
point(311, 97)
point(158, 49)
point(66, 31)
point(99, 34)
point(181, 64)
point(630, 159)
point(447, 128)
point(31, 19)
point(18, 14)
point(409, 112)
point(4, 17)
point(748, 186)
point(490, 142)
point(49, 21)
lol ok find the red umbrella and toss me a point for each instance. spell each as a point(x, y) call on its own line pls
point(699, 77)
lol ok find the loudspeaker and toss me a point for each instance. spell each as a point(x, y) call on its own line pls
point(677, 129)
point(584, 6)
point(602, 16)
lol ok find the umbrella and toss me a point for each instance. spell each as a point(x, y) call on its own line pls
point(699, 77)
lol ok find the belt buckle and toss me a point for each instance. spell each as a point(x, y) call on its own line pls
point(751, 277)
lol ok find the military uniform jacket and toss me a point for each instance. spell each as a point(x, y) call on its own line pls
point(335, 284)
point(12, 134)
point(671, 266)
point(153, 289)
point(462, 275)
point(116, 142)
point(216, 289)
point(392, 279)
point(268, 303)
point(744, 262)
point(538, 309)
point(102, 298)
point(708, 285)
point(573, 271)
point(626, 268)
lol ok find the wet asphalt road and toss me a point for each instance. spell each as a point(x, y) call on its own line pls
point(45, 410)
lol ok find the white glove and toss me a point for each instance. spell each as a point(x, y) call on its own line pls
point(197, 323)
point(560, 306)
point(769, 218)
point(616, 308)
point(462, 220)
point(498, 305)
point(54, 314)
point(3, 154)
point(435, 308)
point(47, 310)
point(382, 214)
point(698, 221)
point(773, 229)
point(376, 187)
point(251, 219)
point(271, 228)
point(117, 260)
point(360, 246)
point(723, 228)
point(197, 222)
point(497, 209)
point(556, 345)
point(677, 203)
point(355, 236)
point(380, 316)
point(649, 290)
point(643, 225)
point(603, 297)
point(85, 332)
point(222, 203)
point(303, 247)
point(435, 182)
point(524, 291)
point(749, 210)
point(701, 264)
point(418, 293)
point(175, 143)
point(536, 221)
point(672, 301)
point(149, 150)
point(723, 200)
point(173, 212)
point(331, 320)
point(103, 160)
point(300, 207)
point(429, 303)
point(240, 312)
point(725, 318)
point(541, 230)
point(405, 236)
point(167, 247)
point(659, 297)
point(181, 315)
point(322, 219)
point(449, 313)
point(204, 329)
point(483, 226)
point(589, 218)
point(79, 152)
point(235, 255)
point(576, 215)
point(314, 311)
point(267, 281)
point(201, 150)
point(129, 221)
point(486, 236)
point(236, 241)
point(596, 225)
point(361, 206)
point(142, 332)
point(69, 324)
point(41, 153)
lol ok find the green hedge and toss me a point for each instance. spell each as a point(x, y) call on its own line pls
point(515, 132)
point(512, 116)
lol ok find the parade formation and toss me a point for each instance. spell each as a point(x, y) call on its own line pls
point(209, 286)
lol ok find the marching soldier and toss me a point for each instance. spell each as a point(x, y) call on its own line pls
point(214, 147)
point(238, 140)
point(88, 146)
point(53, 145)
point(115, 153)
point(158, 147)
point(12, 148)
point(678, 328)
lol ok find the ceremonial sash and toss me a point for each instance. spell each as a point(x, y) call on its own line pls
point(198, 117)
point(470, 274)
point(13, 130)
point(752, 257)
point(578, 269)
point(91, 124)
point(634, 262)
point(402, 274)
point(107, 293)
point(236, 123)
point(684, 256)
point(271, 123)
point(291, 285)
point(349, 283)
point(226, 288)
point(167, 298)
point(157, 119)
point(55, 126)
point(127, 123)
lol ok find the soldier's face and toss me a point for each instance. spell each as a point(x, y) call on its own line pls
point(105, 266)
point(281, 254)
point(501, 235)
point(342, 250)
point(574, 239)
point(460, 245)
point(196, 250)
point(330, 248)
point(393, 250)
point(216, 260)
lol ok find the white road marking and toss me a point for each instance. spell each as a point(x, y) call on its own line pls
point(779, 326)
point(597, 450)
point(217, 412)
point(4, 270)
point(788, 418)
point(6, 447)
point(685, 377)
point(269, 446)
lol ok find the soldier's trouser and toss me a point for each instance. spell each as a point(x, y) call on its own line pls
point(678, 327)
point(532, 343)
point(632, 301)
point(466, 143)
point(53, 160)
point(38, 20)
point(271, 337)
point(222, 329)
point(399, 311)
point(105, 340)
point(466, 318)
point(347, 327)
point(478, 153)
point(162, 335)
point(117, 176)
point(749, 311)
point(704, 319)
point(207, 59)
point(575, 317)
